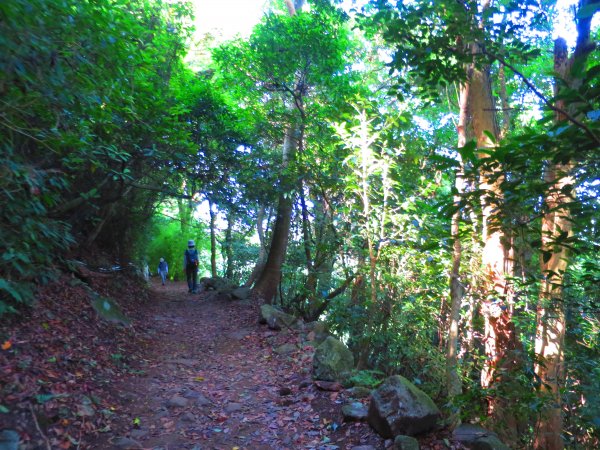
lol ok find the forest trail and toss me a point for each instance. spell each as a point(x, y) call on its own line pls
point(209, 378)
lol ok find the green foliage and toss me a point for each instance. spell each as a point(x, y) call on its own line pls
point(367, 378)
point(582, 351)
point(88, 119)
point(102, 124)
point(433, 41)
point(313, 43)
point(166, 239)
point(32, 243)
point(244, 259)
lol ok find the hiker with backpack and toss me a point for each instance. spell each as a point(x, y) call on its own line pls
point(191, 262)
point(163, 270)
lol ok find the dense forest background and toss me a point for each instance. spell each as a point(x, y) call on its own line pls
point(423, 176)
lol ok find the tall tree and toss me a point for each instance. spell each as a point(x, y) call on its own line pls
point(557, 232)
point(438, 42)
point(456, 285)
point(291, 58)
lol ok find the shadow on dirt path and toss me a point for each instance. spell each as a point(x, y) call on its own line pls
point(210, 379)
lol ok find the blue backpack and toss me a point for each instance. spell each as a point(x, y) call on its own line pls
point(192, 257)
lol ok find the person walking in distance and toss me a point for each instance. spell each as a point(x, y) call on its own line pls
point(163, 270)
point(190, 262)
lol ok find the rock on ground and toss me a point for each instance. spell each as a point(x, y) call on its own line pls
point(399, 407)
point(478, 438)
point(333, 361)
point(406, 443)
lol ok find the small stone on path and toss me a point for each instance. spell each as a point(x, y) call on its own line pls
point(202, 401)
point(332, 386)
point(126, 443)
point(285, 391)
point(233, 407)
point(188, 417)
point(355, 411)
point(161, 413)
point(402, 442)
point(359, 392)
point(285, 349)
point(177, 402)
point(86, 410)
point(184, 362)
point(9, 440)
point(139, 434)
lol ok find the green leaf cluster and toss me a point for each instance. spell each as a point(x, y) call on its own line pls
point(88, 118)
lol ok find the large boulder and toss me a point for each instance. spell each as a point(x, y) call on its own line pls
point(478, 438)
point(317, 332)
point(275, 318)
point(241, 293)
point(333, 361)
point(399, 407)
point(216, 284)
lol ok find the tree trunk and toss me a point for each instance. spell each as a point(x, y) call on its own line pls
point(324, 254)
point(500, 337)
point(107, 214)
point(557, 225)
point(184, 209)
point(213, 240)
point(310, 287)
point(262, 254)
point(551, 324)
point(266, 285)
point(456, 289)
point(229, 246)
point(315, 296)
point(504, 102)
point(268, 281)
point(494, 261)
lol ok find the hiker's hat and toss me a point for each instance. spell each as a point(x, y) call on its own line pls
point(162, 259)
point(191, 243)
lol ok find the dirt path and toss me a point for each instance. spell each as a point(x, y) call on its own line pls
point(210, 379)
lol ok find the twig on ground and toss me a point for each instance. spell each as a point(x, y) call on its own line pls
point(37, 427)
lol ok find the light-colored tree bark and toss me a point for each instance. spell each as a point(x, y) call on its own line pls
point(268, 281)
point(497, 266)
point(262, 253)
point(213, 239)
point(500, 337)
point(456, 288)
point(184, 209)
point(228, 246)
point(551, 323)
point(557, 226)
point(504, 102)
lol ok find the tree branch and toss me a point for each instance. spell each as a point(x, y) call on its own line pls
point(158, 189)
point(542, 97)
